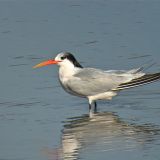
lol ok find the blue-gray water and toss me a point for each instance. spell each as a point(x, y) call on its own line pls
point(38, 120)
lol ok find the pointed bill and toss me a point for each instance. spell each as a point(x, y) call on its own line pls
point(46, 63)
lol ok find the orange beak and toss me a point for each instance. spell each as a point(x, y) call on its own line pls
point(46, 63)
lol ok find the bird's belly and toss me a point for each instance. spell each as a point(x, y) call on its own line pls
point(103, 96)
point(68, 88)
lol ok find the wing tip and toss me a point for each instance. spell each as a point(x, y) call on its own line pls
point(146, 79)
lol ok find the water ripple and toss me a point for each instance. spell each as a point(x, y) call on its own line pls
point(140, 56)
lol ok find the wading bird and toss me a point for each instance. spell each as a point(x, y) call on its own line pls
point(96, 84)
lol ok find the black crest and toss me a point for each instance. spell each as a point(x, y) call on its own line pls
point(70, 57)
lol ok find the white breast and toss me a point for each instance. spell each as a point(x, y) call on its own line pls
point(65, 74)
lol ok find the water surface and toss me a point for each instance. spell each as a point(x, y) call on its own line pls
point(38, 120)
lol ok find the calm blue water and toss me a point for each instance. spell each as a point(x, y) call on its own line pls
point(38, 120)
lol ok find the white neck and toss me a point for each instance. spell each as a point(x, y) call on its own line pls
point(66, 70)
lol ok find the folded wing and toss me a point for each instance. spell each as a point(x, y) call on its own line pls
point(90, 81)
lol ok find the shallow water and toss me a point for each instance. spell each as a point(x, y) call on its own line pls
point(38, 120)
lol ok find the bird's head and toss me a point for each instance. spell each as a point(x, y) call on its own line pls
point(62, 59)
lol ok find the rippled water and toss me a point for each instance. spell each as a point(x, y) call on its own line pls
point(38, 120)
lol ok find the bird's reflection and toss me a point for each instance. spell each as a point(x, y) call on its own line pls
point(102, 132)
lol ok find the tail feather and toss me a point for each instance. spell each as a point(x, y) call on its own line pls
point(148, 78)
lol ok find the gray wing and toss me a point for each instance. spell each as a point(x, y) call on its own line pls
point(90, 81)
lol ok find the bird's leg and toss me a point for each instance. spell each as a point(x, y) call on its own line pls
point(90, 107)
point(90, 104)
point(95, 106)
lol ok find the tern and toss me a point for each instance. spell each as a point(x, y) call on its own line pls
point(96, 84)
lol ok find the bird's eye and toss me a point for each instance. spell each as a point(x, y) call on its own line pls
point(62, 58)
